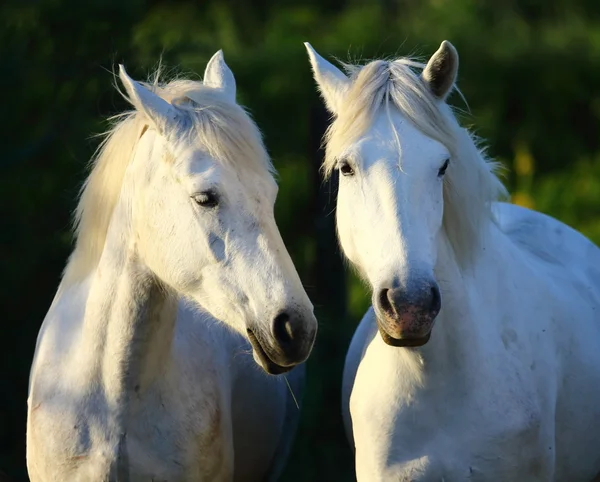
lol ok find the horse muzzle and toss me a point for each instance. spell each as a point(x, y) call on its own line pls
point(288, 344)
point(263, 359)
point(405, 318)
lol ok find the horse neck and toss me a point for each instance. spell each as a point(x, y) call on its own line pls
point(459, 334)
point(129, 319)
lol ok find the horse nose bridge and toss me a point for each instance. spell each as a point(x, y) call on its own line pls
point(277, 266)
point(403, 268)
point(403, 217)
point(410, 228)
point(400, 242)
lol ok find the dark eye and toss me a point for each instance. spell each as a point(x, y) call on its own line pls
point(207, 199)
point(346, 169)
point(442, 170)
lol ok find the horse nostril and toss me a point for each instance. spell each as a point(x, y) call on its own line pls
point(436, 299)
point(282, 328)
point(384, 302)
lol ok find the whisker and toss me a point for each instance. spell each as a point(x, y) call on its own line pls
point(291, 391)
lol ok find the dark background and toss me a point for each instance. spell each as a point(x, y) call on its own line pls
point(530, 70)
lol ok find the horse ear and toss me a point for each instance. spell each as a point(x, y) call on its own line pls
point(332, 82)
point(219, 76)
point(441, 70)
point(159, 112)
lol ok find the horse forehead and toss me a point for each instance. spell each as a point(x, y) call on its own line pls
point(254, 189)
point(196, 163)
point(393, 134)
point(262, 189)
point(198, 166)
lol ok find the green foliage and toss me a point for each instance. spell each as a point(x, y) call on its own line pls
point(530, 70)
point(572, 194)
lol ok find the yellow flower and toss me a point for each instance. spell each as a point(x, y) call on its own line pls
point(523, 199)
point(523, 160)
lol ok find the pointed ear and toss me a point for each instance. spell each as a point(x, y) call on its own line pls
point(441, 70)
point(159, 112)
point(332, 82)
point(219, 76)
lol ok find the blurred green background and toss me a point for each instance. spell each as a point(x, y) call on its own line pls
point(530, 70)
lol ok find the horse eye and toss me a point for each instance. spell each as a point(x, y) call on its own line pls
point(345, 169)
point(207, 199)
point(442, 170)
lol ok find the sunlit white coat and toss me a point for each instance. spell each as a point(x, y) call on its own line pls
point(143, 369)
point(508, 386)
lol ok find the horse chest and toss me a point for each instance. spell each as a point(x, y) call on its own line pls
point(406, 429)
point(432, 442)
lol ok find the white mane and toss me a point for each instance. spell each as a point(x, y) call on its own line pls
point(470, 185)
point(222, 127)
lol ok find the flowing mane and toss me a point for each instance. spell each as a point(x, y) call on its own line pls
point(222, 127)
point(470, 186)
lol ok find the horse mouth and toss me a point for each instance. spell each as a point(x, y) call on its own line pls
point(413, 341)
point(267, 364)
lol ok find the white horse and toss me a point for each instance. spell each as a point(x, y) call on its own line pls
point(506, 387)
point(142, 368)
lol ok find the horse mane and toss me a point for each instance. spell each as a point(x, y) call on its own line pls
point(470, 184)
point(223, 128)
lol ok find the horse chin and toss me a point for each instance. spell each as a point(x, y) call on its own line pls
point(262, 359)
point(403, 342)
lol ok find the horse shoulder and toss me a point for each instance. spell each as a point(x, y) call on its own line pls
point(185, 407)
point(362, 335)
point(54, 384)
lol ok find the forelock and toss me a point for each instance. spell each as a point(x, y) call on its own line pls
point(384, 84)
